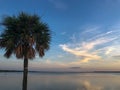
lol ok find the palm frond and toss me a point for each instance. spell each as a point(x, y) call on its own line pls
point(31, 52)
point(22, 33)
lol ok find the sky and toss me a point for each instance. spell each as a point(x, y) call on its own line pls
point(85, 34)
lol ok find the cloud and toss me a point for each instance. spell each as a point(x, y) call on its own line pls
point(75, 67)
point(99, 46)
point(46, 64)
point(63, 33)
point(77, 52)
point(116, 56)
point(86, 50)
point(60, 56)
point(90, 29)
point(99, 41)
point(109, 50)
point(81, 53)
point(58, 4)
point(73, 37)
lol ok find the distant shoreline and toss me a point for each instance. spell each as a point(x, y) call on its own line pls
point(61, 71)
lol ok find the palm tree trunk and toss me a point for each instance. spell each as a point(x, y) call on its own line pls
point(25, 73)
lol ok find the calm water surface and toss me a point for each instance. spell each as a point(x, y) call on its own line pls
point(42, 81)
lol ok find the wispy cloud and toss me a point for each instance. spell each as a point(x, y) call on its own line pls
point(91, 44)
point(117, 56)
point(59, 4)
point(46, 64)
point(73, 37)
point(91, 29)
point(99, 46)
point(84, 54)
point(63, 33)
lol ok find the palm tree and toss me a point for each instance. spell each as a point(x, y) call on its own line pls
point(24, 35)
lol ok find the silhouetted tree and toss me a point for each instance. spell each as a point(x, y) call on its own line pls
point(24, 35)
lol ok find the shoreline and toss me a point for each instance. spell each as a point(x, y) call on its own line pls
point(61, 71)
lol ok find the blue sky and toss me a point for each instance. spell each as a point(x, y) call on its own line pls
point(85, 33)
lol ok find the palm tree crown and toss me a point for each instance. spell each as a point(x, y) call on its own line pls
point(24, 35)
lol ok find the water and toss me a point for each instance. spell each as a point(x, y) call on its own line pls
point(48, 81)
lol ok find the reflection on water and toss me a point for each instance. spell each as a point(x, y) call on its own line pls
point(87, 86)
point(40, 81)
